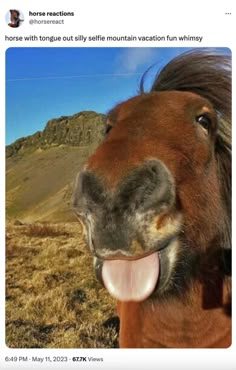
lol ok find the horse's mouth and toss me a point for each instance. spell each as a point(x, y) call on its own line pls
point(137, 279)
point(136, 263)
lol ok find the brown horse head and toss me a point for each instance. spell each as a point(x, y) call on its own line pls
point(14, 18)
point(155, 195)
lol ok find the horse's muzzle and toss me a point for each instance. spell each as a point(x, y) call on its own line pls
point(132, 230)
point(124, 222)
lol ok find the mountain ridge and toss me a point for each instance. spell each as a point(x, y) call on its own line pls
point(80, 129)
point(41, 168)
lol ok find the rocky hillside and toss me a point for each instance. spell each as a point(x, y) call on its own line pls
point(41, 168)
point(82, 129)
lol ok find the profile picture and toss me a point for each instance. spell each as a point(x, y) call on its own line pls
point(14, 18)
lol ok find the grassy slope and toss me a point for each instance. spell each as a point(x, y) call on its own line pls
point(52, 297)
point(39, 184)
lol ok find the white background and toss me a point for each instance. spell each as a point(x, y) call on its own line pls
point(205, 18)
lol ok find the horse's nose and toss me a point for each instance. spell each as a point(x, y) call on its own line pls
point(148, 186)
point(88, 192)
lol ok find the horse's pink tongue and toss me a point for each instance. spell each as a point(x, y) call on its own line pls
point(131, 280)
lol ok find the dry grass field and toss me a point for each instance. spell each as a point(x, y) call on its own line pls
point(52, 297)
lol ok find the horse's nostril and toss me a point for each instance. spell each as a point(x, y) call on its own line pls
point(88, 192)
point(149, 186)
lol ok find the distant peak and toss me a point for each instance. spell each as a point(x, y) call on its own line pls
point(81, 129)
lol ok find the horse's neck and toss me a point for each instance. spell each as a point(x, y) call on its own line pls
point(202, 320)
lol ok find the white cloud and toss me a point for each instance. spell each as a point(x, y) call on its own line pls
point(131, 60)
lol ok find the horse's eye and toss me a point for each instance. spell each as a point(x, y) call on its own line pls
point(205, 121)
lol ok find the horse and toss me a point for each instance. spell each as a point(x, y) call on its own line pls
point(14, 18)
point(155, 200)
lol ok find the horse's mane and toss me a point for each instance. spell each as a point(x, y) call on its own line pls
point(206, 73)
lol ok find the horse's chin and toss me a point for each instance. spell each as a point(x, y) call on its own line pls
point(140, 278)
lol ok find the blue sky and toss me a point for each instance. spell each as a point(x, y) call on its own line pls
point(46, 83)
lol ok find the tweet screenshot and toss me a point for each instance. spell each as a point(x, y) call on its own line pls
point(116, 193)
